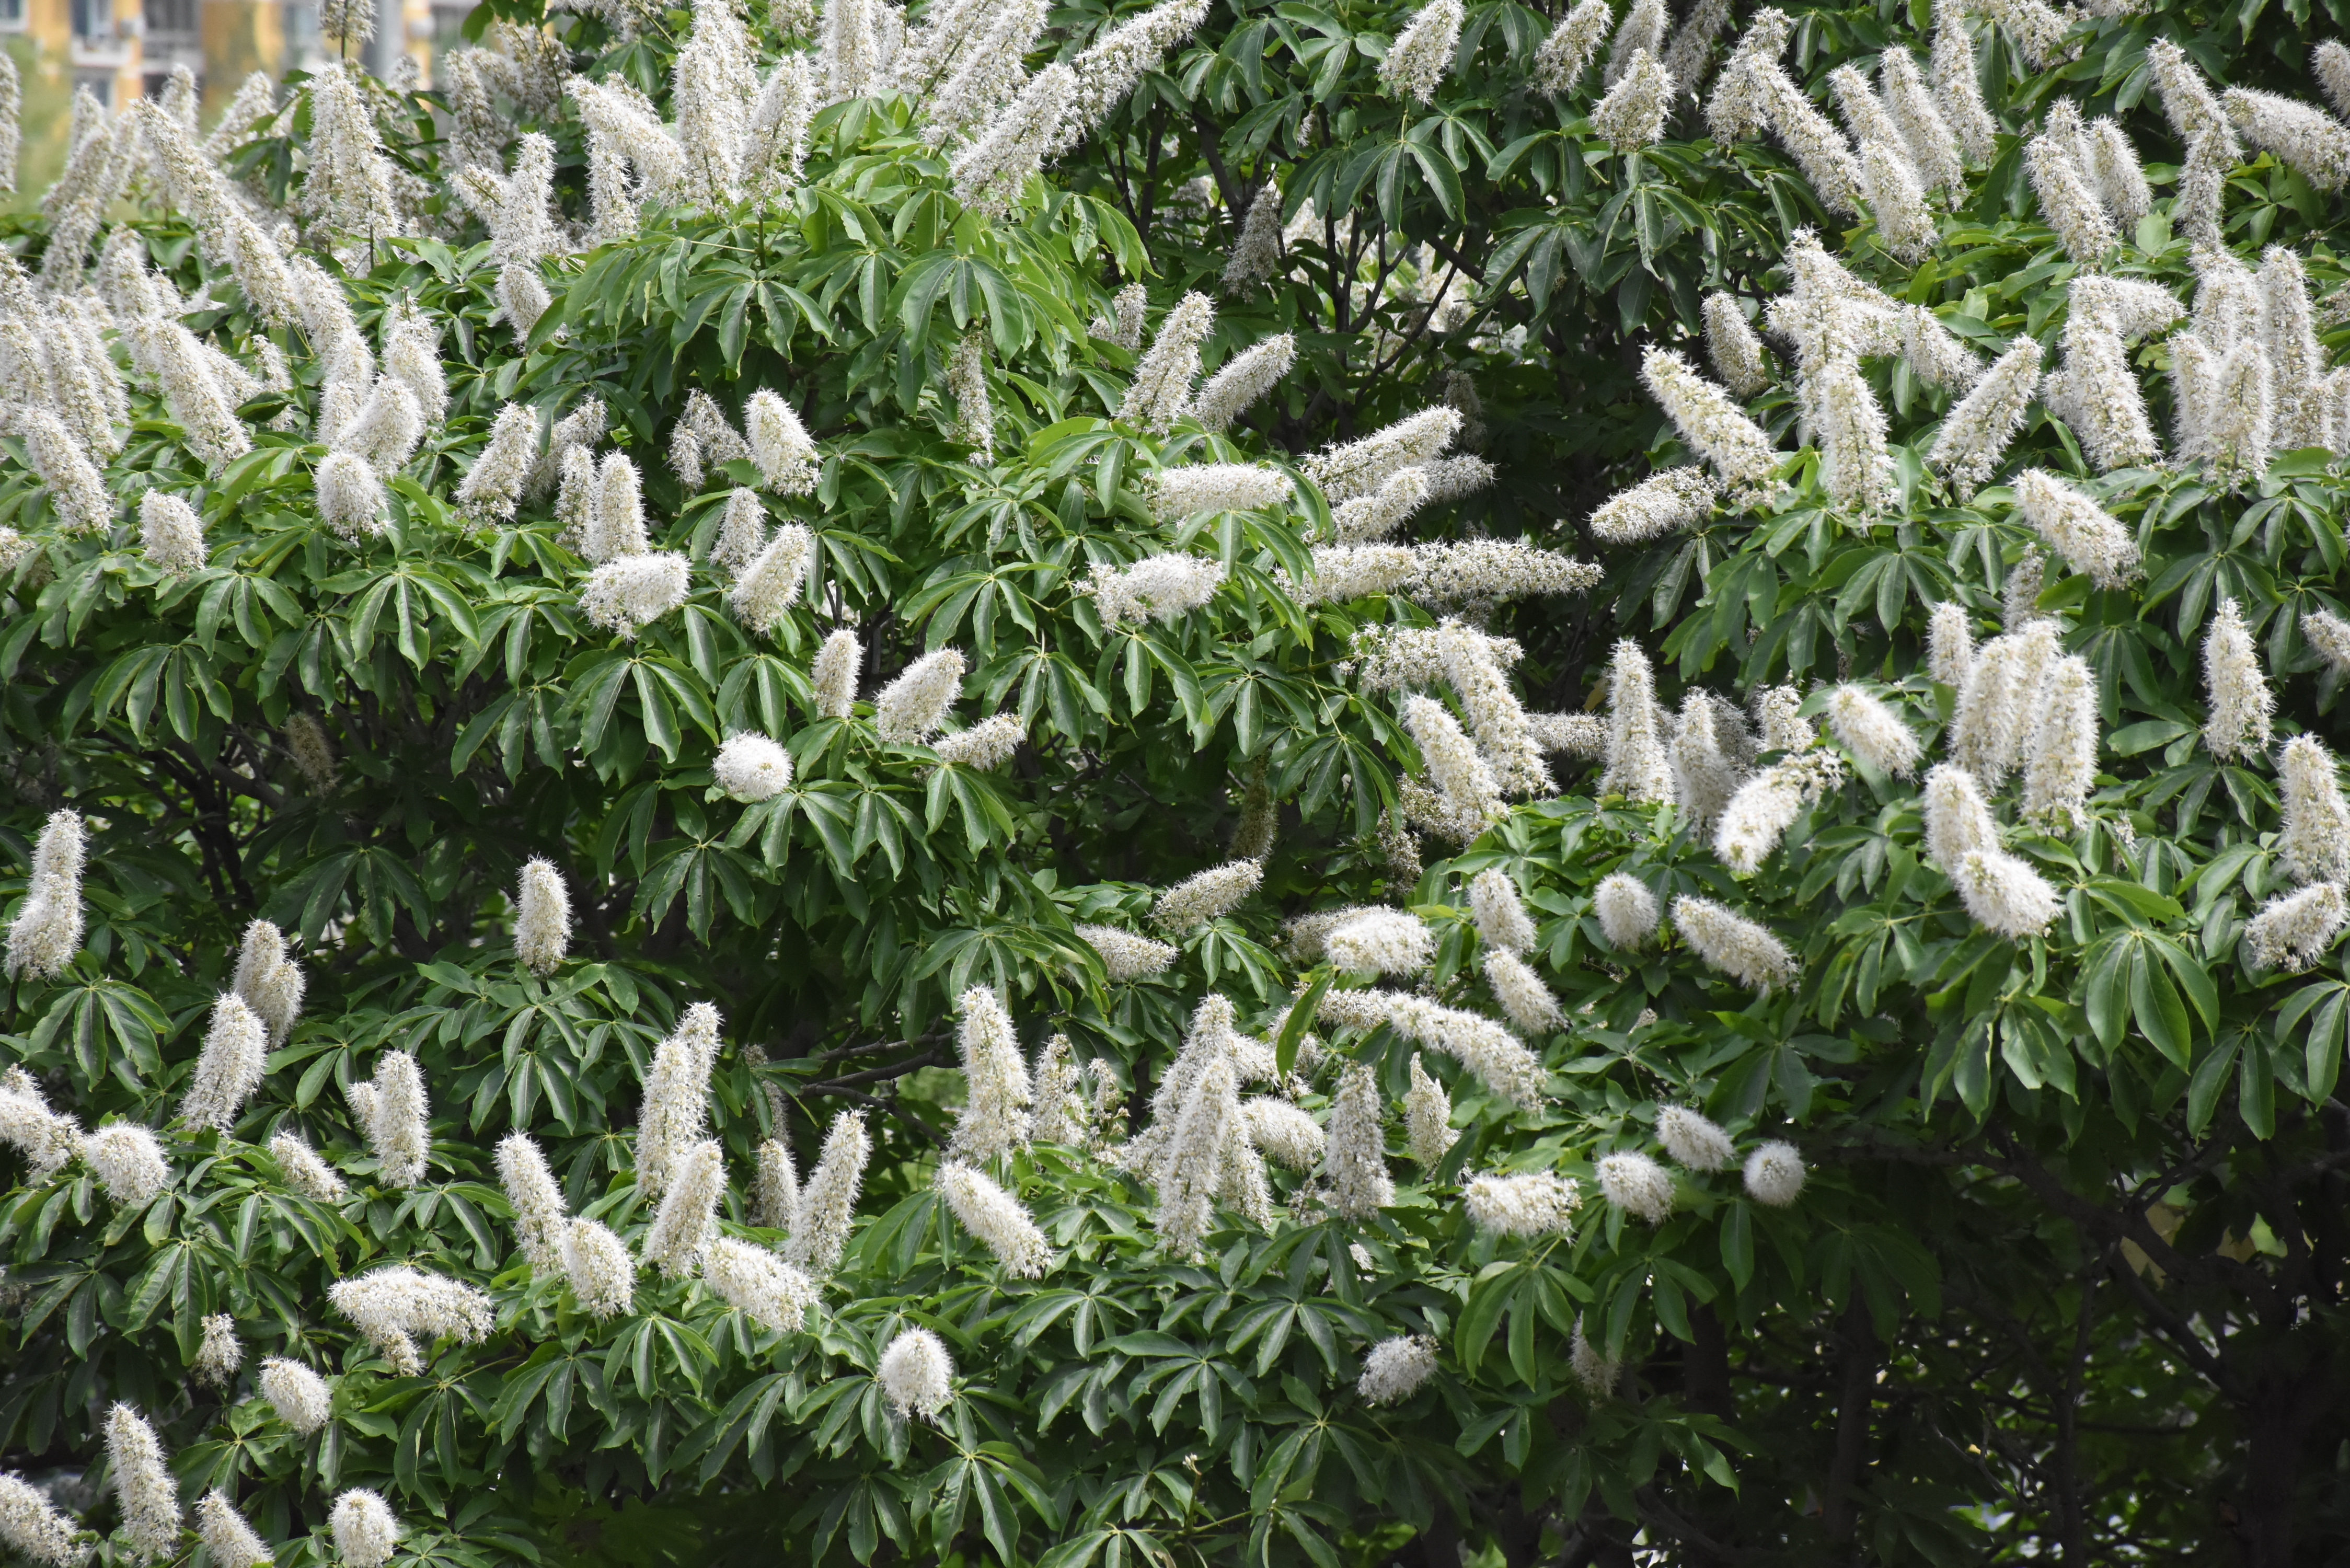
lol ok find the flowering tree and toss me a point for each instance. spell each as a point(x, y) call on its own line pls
point(746, 832)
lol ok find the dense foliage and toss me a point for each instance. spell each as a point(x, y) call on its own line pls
point(2048, 1258)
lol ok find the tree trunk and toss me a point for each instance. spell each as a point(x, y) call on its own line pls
point(1859, 1381)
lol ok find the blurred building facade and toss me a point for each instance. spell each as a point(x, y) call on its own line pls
point(123, 50)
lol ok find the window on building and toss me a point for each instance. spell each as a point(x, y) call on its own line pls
point(12, 16)
point(93, 18)
point(172, 16)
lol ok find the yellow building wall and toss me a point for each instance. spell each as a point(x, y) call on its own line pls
point(241, 36)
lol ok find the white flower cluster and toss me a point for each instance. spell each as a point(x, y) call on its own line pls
point(829, 1202)
point(2312, 843)
point(1739, 947)
point(542, 917)
point(2241, 707)
point(1421, 54)
point(394, 1306)
point(1156, 588)
point(1713, 426)
point(267, 982)
point(47, 932)
point(1628, 913)
point(1484, 573)
point(1202, 898)
point(1538, 1204)
point(302, 1399)
point(1428, 1117)
point(911, 709)
point(229, 1068)
point(2293, 931)
point(1394, 1369)
point(750, 767)
point(1127, 956)
point(365, 1530)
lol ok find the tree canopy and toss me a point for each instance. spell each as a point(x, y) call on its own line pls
point(1294, 783)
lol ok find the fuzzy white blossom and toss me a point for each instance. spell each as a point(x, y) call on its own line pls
point(1160, 391)
point(1981, 426)
point(1539, 1204)
point(2067, 204)
point(1665, 503)
point(758, 1284)
point(1180, 492)
point(1244, 379)
point(497, 480)
point(776, 1188)
point(2096, 393)
point(142, 1486)
point(1632, 115)
point(1926, 132)
point(2329, 637)
point(1739, 947)
point(1126, 956)
point(1284, 1133)
point(541, 1218)
point(1107, 70)
point(2312, 842)
point(1949, 644)
point(1730, 345)
point(828, 1201)
point(306, 1173)
point(674, 1113)
point(48, 927)
point(1354, 1161)
point(31, 1525)
point(127, 1161)
point(267, 982)
point(1257, 253)
point(171, 535)
point(1999, 698)
point(1774, 1174)
point(1903, 222)
point(220, 1355)
point(1637, 1185)
point(687, 1220)
point(1873, 731)
point(2060, 763)
point(995, 1218)
point(1715, 428)
point(2240, 704)
point(229, 1541)
point(1525, 1000)
point(2004, 894)
point(542, 917)
point(770, 585)
point(1494, 1056)
point(1628, 915)
point(1427, 1116)
point(632, 592)
point(1483, 573)
point(1855, 463)
point(1597, 1374)
point(1202, 898)
point(996, 1118)
point(1958, 819)
point(1466, 796)
point(2293, 930)
point(1344, 573)
point(1767, 805)
point(1381, 941)
point(1567, 52)
point(1381, 513)
point(1638, 767)
point(230, 1068)
point(1421, 54)
point(833, 676)
point(395, 1305)
point(365, 1530)
point(915, 1375)
point(1693, 1140)
point(1500, 912)
point(750, 767)
point(2305, 137)
point(1394, 1369)
point(1361, 468)
point(302, 1399)
point(911, 709)
point(598, 1269)
point(1156, 588)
